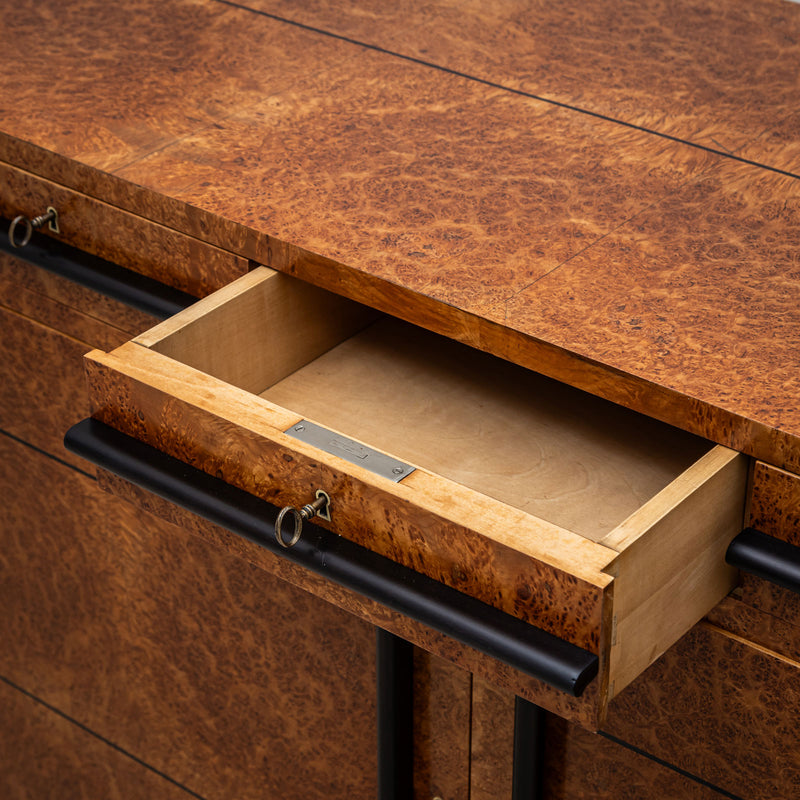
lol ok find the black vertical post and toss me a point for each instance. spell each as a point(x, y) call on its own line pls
point(529, 744)
point(395, 679)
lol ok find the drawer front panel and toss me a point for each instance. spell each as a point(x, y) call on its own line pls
point(120, 237)
point(774, 510)
point(43, 390)
point(285, 472)
point(775, 503)
point(65, 305)
point(228, 680)
point(43, 754)
point(722, 708)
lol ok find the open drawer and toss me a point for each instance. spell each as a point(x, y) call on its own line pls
point(580, 518)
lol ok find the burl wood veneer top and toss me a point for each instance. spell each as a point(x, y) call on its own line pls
point(607, 192)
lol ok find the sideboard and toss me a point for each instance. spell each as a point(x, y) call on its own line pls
point(429, 383)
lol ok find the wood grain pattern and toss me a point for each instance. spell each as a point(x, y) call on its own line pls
point(720, 708)
point(64, 305)
point(778, 145)
point(456, 190)
point(532, 443)
point(224, 678)
point(257, 330)
point(586, 766)
point(767, 597)
point(492, 746)
point(34, 308)
point(586, 710)
point(44, 755)
point(764, 626)
point(157, 73)
point(517, 563)
point(427, 197)
point(43, 390)
point(775, 503)
point(137, 244)
point(698, 297)
point(670, 575)
point(714, 75)
point(442, 710)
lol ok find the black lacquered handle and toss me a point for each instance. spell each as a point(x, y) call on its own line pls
point(124, 285)
point(766, 557)
point(536, 652)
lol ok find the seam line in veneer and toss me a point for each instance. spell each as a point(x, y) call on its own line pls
point(494, 85)
point(753, 645)
point(99, 737)
point(48, 455)
point(660, 761)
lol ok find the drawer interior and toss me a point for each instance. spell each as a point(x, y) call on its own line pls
point(560, 454)
point(540, 446)
point(588, 520)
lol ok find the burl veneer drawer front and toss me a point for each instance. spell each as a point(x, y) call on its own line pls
point(131, 241)
point(775, 502)
point(47, 323)
point(584, 521)
point(768, 550)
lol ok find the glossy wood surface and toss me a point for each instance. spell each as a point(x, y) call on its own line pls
point(467, 190)
point(212, 671)
point(717, 75)
point(43, 755)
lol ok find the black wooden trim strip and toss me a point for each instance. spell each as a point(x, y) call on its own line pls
point(530, 723)
point(536, 652)
point(766, 557)
point(100, 738)
point(395, 694)
point(128, 287)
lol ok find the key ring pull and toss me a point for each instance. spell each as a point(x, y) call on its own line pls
point(320, 507)
point(50, 217)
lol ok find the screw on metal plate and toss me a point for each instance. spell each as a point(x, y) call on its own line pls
point(321, 507)
point(350, 450)
point(50, 217)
